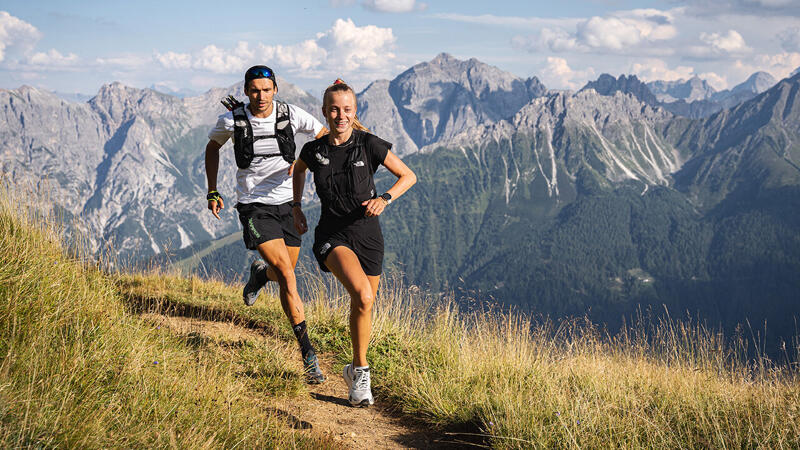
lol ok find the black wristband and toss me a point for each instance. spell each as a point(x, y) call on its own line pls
point(214, 195)
point(294, 204)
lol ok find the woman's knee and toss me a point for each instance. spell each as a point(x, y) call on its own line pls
point(363, 298)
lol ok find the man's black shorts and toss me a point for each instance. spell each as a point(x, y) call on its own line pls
point(363, 237)
point(262, 223)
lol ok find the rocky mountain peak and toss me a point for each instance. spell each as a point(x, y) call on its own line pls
point(443, 59)
point(756, 83)
point(607, 85)
point(436, 99)
point(693, 89)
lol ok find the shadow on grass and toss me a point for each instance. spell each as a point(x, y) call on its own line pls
point(138, 304)
point(291, 420)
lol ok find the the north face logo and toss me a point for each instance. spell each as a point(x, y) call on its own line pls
point(325, 247)
point(322, 160)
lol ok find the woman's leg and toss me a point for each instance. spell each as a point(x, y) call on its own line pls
point(343, 263)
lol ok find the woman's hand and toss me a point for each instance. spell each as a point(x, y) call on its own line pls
point(299, 220)
point(374, 206)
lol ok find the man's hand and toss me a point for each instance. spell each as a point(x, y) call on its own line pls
point(215, 203)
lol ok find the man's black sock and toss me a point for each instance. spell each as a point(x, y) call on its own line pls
point(302, 338)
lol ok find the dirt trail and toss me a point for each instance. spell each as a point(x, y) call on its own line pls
point(325, 410)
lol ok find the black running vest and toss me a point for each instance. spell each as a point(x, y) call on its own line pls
point(342, 192)
point(243, 138)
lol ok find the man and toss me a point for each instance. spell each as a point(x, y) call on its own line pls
point(264, 149)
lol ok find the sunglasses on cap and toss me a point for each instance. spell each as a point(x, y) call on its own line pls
point(258, 72)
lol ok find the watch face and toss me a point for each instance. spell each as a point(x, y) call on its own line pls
point(386, 196)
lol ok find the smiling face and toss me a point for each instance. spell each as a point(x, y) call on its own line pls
point(339, 109)
point(260, 92)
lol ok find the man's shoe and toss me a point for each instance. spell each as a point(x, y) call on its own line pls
point(252, 288)
point(311, 368)
point(359, 383)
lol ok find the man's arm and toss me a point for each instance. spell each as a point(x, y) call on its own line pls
point(212, 167)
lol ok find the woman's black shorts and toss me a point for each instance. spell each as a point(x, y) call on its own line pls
point(262, 223)
point(363, 237)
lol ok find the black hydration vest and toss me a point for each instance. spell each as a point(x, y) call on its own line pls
point(356, 183)
point(243, 138)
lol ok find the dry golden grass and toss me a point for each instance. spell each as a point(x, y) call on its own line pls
point(78, 370)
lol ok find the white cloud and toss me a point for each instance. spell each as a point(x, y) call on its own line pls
point(554, 39)
point(16, 35)
point(790, 39)
point(779, 65)
point(172, 60)
point(718, 46)
point(614, 33)
point(718, 82)
point(53, 58)
point(357, 47)
point(626, 29)
point(731, 42)
point(125, 61)
point(345, 48)
point(657, 69)
point(394, 6)
point(559, 75)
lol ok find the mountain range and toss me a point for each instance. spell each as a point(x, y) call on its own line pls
point(129, 162)
point(620, 196)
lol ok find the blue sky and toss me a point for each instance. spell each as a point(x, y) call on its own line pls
point(77, 46)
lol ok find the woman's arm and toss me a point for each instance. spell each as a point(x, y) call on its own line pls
point(405, 179)
point(298, 184)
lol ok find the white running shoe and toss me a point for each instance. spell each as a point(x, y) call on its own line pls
point(359, 383)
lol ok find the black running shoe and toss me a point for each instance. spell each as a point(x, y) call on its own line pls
point(253, 287)
point(311, 368)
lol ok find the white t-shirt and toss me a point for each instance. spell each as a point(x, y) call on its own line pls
point(266, 180)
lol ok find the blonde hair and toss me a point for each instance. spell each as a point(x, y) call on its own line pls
point(340, 86)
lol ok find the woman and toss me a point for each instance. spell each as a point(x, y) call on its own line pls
point(348, 240)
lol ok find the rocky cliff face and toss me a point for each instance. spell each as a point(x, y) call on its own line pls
point(608, 85)
point(437, 99)
point(691, 90)
point(745, 150)
point(692, 98)
point(613, 138)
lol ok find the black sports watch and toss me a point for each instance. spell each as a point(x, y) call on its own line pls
point(386, 196)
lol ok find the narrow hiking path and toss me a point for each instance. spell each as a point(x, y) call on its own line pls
point(324, 409)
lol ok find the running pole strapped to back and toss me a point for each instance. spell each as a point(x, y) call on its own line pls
point(243, 138)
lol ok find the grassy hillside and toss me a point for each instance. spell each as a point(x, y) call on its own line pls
point(79, 366)
point(77, 369)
